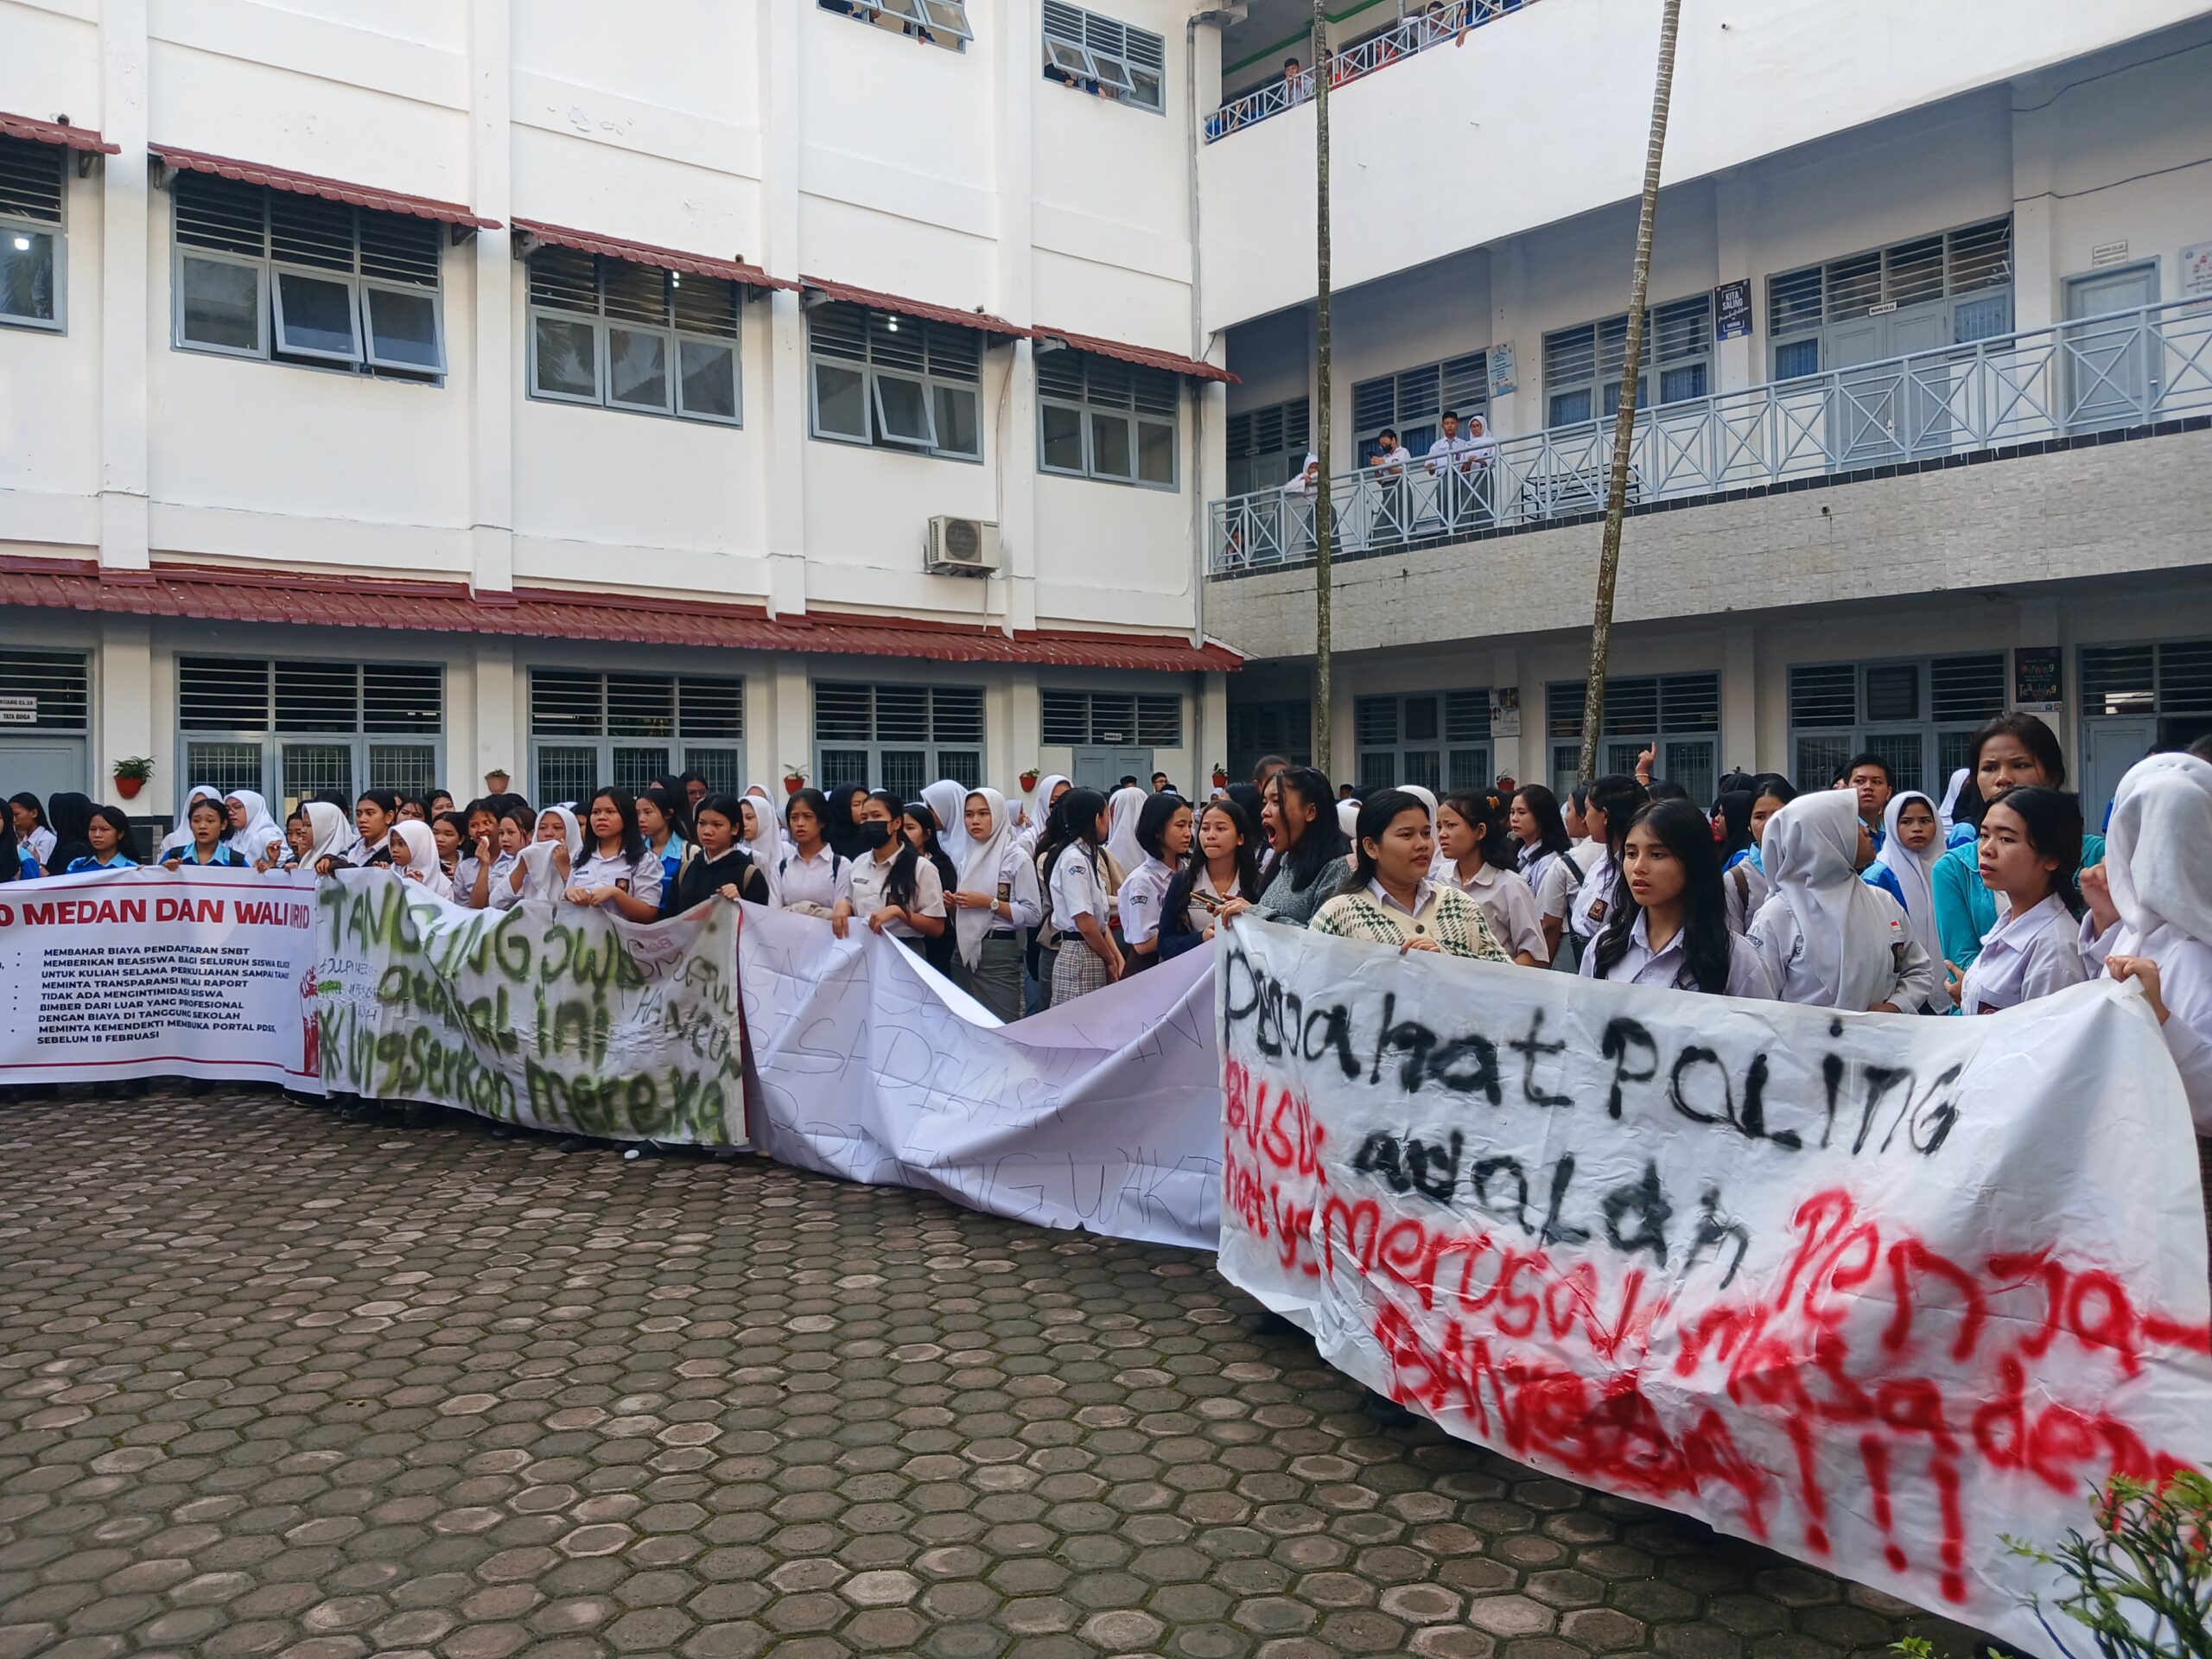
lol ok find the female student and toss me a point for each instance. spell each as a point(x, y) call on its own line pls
point(809, 876)
point(2029, 852)
point(722, 866)
point(947, 803)
point(2011, 751)
point(1049, 791)
point(890, 885)
point(1668, 924)
point(1479, 859)
point(1743, 879)
point(415, 856)
point(107, 834)
point(1612, 802)
point(68, 816)
point(1306, 866)
point(252, 829)
point(1163, 835)
point(761, 838)
point(34, 834)
point(322, 849)
point(1392, 900)
point(449, 832)
point(1911, 842)
point(918, 823)
point(542, 869)
point(206, 823)
point(619, 873)
point(498, 857)
point(1829, 940)
point(1225, 867)
point(661, 820)
point(994, 898)
point(374, 813)
point(1072, 865)
point(414, 809)
point(838, 813)
point(1547, 860)
point(182, 835)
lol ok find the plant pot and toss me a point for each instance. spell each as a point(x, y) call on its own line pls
point(1221, 780)
point(128, 787)
point(1029, 782)
point(792, 785)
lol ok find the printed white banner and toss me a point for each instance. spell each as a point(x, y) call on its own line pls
point(1103, 1114)
point(1871, 1290)
point(145, 973)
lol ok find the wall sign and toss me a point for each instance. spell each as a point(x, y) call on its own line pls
point(1732, 311)
point(18, 711)
point(2107, 253)
point(1506, 711)
point(2038, 683)
point(1503, 381)
point(2197, 271)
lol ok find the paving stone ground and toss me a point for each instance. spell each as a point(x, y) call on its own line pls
point(276, 1382)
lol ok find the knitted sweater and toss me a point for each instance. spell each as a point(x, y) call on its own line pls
point(1280, 902)
point(1450, 918)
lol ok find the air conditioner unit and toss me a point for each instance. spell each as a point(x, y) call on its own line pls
point(963, 547)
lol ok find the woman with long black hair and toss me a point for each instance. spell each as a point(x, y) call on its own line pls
point(34, 834)
point(1222, 866)
point(1480, 859)
point(1392, 900)
point(1607, 810)
point(622, 872)
point(918, 827)
point(1309, 865)
point(1547, 863)
point(1072, 864)
point(1668, 921)
point(891, 886)
point(1163, 835)
point(840, 814)
point(810, 875)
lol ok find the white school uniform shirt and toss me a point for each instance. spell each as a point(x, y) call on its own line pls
point(861, 883)
point(1017, 885)
point(640, 880)
point(39, 845)
point(2024, 957)
point(1641, 965)
point(1200, 918)
point(813, 881)
point(499, 891)
point(1143, 891)
point(1555, 879)
point(1507, 905)
point(1392, 464)
point(1774, 931)
point(1585, 916)
point(1747, 888)
point(2185, 987)
point(1079, 889)
point(1448, 455)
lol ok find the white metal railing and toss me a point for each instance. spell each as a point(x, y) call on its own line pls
point(1417, 31)
point(2128, 368)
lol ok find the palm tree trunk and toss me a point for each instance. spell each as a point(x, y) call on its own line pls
point(1323, 656)
point(1609, 555)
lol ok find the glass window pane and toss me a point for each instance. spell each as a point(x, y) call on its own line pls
point(403, 328)
point(964, 766)
point(709, 379)
point(1796, 358)
point(225, 766)
point(1571, 407)
point(1467, 769)
point(1902, 752)
point(1109, 446)
point(903, 406)
point(905, 772)
point(1818, 758)
point(566, 772)
point(1155, 453)
point(1422, 767)
point(26, 274)
point(842, 767)
point(314, 314)
point(840, 401)
point(1063, 450)
point(957, 434)
point(634, 768)
point(222, 304)
point(1690, 765)
point(637, 368)
point(409, 768)
point(1378, 769)
point(1678, 384)
point(723, 769)
point(568, 358)
point(313, 769)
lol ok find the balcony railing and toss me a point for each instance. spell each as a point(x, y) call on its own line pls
point(1419, 31)
point(2128, 368)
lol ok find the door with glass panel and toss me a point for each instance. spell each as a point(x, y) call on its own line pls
point(2110, 354)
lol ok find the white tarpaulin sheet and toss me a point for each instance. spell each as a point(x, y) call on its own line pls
point(1871, 1290)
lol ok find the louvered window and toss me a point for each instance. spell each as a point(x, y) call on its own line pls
point(44, 690)
point(898, 737)
point(618, 334)
point(1916, 717)
point(1096, 54)
point(1414, 402)
point(295, 278)
point(1440, 741)
point(1677, 716)
point(32, 241)
point(2167, 680)
point(301, 727)
point(933, 22)
point(1082, 719)
point(1100, 417)
point(896, 383)
point(590, 729)
point(1583, 366)
point(1267, 446)
point(1954, 268)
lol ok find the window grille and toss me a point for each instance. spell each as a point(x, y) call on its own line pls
point(1412, 402)
point(898, 737)
point(933, 22)
point(1079, 719)
point(622, 335)
point(1944, 266)
point(53, 687)
point(590, 728)
point(1096, 54)
point(1267, 445)
point(1583, 366)
point(1438, 741)
point(298, 727)
point(1102, 418)
point(894, 382)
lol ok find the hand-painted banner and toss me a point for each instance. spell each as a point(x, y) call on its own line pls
point(564, 1018)
point(1102, 1114)
point(141, 973)
point(1873, 1290)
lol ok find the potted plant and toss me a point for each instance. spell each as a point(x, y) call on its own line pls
point(130, 775)
point(1220, 775)
point(1029, 780)
point(496, 781)
point(794, 780)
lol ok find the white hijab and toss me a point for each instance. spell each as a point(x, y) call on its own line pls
point(1914, 871)
point(1947, 811)
point(252, 842)
point(1033, 831)
point(1811, 854)
point(2158, 851)
point(765, 844)
point(182, 835)
point(979, 872)
point(329, 830)
point(422, 856)
point(1426, 797)
point(1121, 814)
point(946, 798)
point(1348, 821)
point(542, 878)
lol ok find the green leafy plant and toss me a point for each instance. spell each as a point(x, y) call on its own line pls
point(138, 767)
point(2142, 1578)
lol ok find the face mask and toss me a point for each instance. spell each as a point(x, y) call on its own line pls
point(873, 835)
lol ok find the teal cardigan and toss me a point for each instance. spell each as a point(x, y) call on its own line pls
point(1965, 910)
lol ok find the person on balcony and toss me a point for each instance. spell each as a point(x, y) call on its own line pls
point(1390, 458)
point(1451, 463)
point(1295, 83)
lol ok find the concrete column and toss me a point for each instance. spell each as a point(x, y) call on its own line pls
point(1213, 730)
point(783, 480)
point(794, 731)
point(495, 389)
point(123, 715)
point(1016, 731)
point(499, 739)
point(126, 316)
point(1518, 411)
point(1739, 701)
point(1013, 595)
point(2037, 261)
point(1737, 363)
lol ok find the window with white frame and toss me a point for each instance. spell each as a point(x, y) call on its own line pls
point(898, 737)
point(297, 279)
point(1267, 445)
point(294, 730)
point(1676, 716)
point(896, 383)
point(1096, 54)
point(589, 729)
point(1856, 308)
point(1583, 366)
point(1412, 402)
point(1113, 719)
point(1919, 716)
point(618, 334)
point(1100, 417)
point(1440, 741)
point(32, 245)
point(933, 22)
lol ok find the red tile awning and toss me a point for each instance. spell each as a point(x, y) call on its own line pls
point(309, 184)
point(643, 253)
point(982, 320)
point(208, 594)
point(55, 132)
point(1175, 363)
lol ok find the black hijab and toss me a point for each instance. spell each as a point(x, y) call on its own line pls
point(70, 817)
point(837, 827)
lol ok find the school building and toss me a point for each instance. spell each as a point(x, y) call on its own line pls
point(398, 390)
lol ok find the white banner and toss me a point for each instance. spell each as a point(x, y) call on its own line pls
point(1871, 1290)
point(1102, 1114)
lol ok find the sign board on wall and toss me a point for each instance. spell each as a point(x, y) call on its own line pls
point(1732, 311)
point(18, 711)
point(2197, 271)
point(2038, 679)
point(1504, 380)
point(1506, 711)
